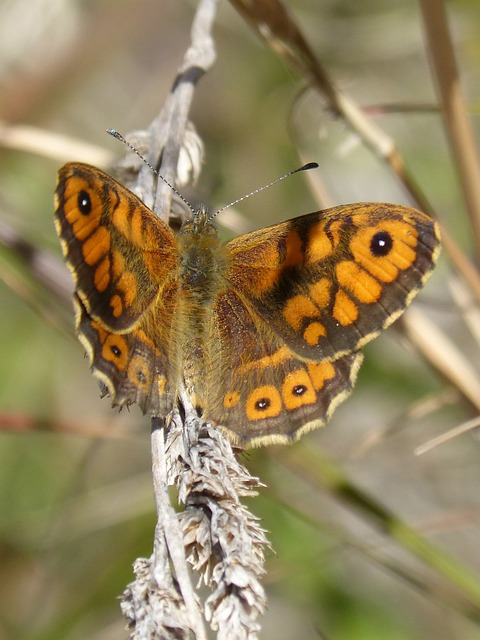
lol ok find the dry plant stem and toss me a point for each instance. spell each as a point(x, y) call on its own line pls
point(224, 541)
point(443, 354)
point(274, 24)
point(457, 122)
point(173, 119)
point(426, 405)
point(465, 302)
point(466, 427)
point(461, 262)
point(168, 601)
point(51, 145)
point(47, 270)
point(161, 604)
point(169, 538)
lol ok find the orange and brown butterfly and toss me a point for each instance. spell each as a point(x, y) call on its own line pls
point(263, 332)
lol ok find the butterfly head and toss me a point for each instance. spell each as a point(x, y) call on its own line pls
point(199, 225)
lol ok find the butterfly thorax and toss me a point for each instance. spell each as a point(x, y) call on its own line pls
point(202, 258)
point(202, 264)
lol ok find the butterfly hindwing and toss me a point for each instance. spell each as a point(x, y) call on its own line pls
point(130, 366)
point(267, 393)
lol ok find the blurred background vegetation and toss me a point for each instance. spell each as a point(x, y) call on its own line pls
point(75, 491)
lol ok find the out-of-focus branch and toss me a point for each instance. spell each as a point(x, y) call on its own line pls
point(455, 116)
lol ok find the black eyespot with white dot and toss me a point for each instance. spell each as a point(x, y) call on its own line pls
point(381, 244)
point(84, 203)
point(299, 390)
point(262, 404)
point(116, 351)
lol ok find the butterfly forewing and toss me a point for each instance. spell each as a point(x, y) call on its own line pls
point(124, 263)
point(119, 252)
point(329, 282)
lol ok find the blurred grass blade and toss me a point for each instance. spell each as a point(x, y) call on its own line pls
point(460, 588)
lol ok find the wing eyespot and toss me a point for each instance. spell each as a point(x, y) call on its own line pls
point(115, 350)
point(262, 404)
point(381, 244)
point(84, 202)
point(299, 390)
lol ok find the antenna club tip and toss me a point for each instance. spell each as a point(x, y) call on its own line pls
point(116, 134)
point(308, 166)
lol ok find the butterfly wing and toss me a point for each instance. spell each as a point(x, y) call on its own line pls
point(124, 263)
point(329, 282)
point(266, 392)
point(302, 298)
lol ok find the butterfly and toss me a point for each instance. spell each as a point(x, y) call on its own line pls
point(264, 332)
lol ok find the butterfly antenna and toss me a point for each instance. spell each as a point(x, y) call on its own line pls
point(118, 136)
point(305, 167)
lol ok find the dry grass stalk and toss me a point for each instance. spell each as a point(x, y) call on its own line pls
point(223, 541)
